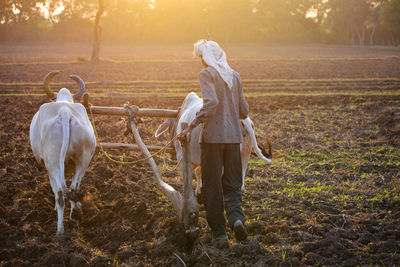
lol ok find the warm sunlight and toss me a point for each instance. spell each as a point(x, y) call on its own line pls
point(312, 13)
point(199, 133)
point(277, 21)
point(45, 9)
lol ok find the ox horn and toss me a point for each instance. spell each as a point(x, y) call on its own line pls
point(47, 79)
point(81, 89)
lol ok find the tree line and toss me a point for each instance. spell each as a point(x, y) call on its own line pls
point(355, 22)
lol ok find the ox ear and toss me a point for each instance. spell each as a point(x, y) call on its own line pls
point(163, 127)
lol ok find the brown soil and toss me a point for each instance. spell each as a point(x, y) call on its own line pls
point(331, 196)
point(127, 221)
point(30, 62)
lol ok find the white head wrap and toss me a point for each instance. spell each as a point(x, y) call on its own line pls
point(215, 57)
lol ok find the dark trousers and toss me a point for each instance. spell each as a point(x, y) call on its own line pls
point(221, 172)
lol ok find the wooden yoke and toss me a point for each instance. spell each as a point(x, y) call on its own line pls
point(141, 112)
point(190, 211)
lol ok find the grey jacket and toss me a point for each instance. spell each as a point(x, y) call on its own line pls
point(222, 108)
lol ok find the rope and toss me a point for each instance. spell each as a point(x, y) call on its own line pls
point(174, 168)
point(127, 162)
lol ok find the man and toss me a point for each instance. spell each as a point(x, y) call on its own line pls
point(223, 107)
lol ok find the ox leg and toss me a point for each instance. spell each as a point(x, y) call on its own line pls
point(76, 182)
point(178, 149)
point(197, 172)
point(74, 190)
point(60, 212)
point(245, 154)
point(244, 169)
point(58, 190)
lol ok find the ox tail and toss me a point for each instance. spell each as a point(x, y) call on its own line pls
point(250, 130)
point(65, 118)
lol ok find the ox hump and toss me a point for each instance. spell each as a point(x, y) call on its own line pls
point(64, 95)
point(191, 100)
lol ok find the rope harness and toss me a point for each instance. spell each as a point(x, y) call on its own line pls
point(131, 116)
point(174, 168)
point(172, 131)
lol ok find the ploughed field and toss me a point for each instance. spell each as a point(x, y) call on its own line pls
point(330, 197)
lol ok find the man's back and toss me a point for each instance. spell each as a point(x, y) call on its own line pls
point(222, 125)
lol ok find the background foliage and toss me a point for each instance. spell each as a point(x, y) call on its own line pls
point(358, 22)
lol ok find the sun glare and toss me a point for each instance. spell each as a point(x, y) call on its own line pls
point(15, 9)
point(311, 13)
point(44, 9)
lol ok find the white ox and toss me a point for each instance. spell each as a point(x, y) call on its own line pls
point(191, 105)
point(61, 133)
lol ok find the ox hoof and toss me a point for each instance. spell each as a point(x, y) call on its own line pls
point(39, 167)
point(74, 195)
point(192, 233)
point(60, 234)
point(76, 214)
point(191, 236)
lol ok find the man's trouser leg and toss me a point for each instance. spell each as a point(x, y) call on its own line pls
point(211, 172)
point(232, 183)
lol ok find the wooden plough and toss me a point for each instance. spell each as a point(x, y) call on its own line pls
point(186, 206)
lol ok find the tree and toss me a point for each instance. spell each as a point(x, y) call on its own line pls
point(373, 21)
point(97, 33)
point(285, 20)
point(390, 16)
point(6, 11)
point(175, 21)
point(347, 19)
point(51, 6)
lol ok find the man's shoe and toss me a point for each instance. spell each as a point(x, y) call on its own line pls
point(221, 242)
point(240, 231)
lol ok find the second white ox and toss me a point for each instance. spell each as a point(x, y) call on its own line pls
point(61, 133)
point(191, 105)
